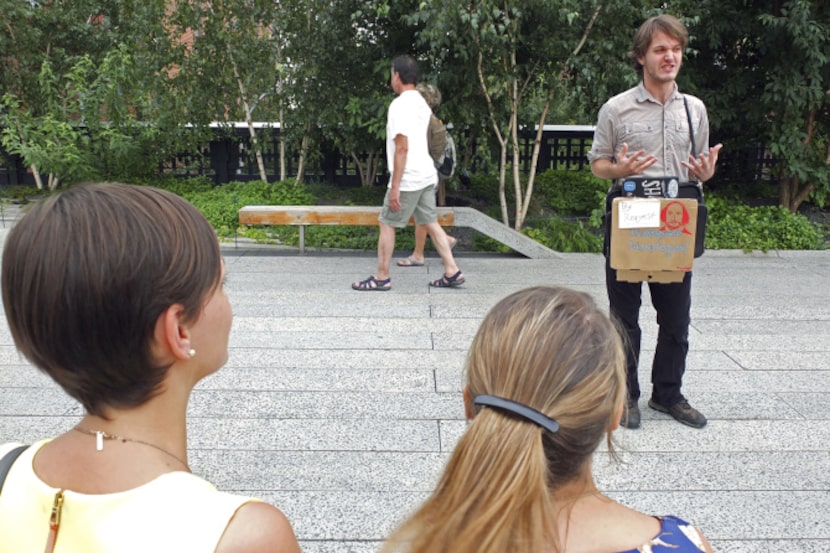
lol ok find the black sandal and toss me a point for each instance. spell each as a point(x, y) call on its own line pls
point(448, 281)
point(372, 284)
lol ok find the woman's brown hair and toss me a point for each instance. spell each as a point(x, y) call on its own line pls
point(86, 274)
point(554, 351)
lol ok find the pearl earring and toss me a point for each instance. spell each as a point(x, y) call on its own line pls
point(191, 352)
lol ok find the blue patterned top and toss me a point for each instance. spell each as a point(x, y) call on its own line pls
point(676, 536)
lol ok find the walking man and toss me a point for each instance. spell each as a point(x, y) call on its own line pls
point(410, 191)
point(437, 143)
point(644, 132)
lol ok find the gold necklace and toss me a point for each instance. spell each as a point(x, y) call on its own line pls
point(100, 436)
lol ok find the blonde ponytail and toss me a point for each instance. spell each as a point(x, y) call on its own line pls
point(492, 496)
point(551, 350)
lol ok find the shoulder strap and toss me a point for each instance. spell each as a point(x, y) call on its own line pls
point(691, 129)
point(7, 461)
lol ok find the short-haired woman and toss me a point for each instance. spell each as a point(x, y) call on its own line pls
point(116, 292)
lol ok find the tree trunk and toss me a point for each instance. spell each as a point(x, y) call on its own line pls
point(515, 99)
point(517, 162)
point(254, 140)
point(280, 89)
point(249, 121)
point(359, 165)
point(534, 158)
point(255, 143)
point(303, 155)
point(283, 169)
point(369, 169)
point(38, 178)
point(374, 168)
point(502, 141)
point(791, 194)
point(505, 218)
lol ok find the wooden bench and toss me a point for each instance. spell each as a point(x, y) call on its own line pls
point(304, 215)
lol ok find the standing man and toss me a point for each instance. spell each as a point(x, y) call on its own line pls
point(410, 191)
point(644, 132)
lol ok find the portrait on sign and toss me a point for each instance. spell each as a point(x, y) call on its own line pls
point(674, 216)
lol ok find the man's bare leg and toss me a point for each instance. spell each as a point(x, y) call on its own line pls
point(418, 257)
point(386, 246)
point(442, 244)
point(420, 243)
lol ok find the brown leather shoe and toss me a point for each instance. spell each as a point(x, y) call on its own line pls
point(682, 412)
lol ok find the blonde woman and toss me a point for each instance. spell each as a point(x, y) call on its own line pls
point(545, 385)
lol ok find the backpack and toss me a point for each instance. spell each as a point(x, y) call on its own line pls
point(446, 167)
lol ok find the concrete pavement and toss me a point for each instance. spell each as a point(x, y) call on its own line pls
point(340, 407)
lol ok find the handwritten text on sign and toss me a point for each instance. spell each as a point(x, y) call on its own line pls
point(639, 213)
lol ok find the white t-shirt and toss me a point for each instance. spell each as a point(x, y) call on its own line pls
point(409, 115)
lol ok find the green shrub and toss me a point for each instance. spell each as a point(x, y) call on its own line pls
point(22, 193)
point(566, 236)
point(182, 187)
point(328, 194)
point(570, 192)
point(483, 194)
point(366, 195)
point(483, 190)
point(220, 204)
point(734, 225)
point(483, 243)
point(355, 237)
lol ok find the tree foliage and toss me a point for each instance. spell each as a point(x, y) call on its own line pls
point(764, 70)
point(105, 88)
point(85, 88)
point(525, 58)
point(231, 69)
point(340, 65)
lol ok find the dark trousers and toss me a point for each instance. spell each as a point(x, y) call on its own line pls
point(673, 303)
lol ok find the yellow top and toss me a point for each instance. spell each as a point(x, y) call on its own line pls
point(173, 513)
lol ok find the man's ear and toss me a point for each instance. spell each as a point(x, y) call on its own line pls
point(468, 403)
point(172, 336)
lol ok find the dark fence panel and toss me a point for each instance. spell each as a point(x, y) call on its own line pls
point(229, 157)
point(13, 172)
point(562, 147)
point(752, 163)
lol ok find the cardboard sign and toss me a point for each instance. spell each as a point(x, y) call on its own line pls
point(653, 239)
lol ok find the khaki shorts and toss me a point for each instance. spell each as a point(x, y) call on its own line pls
point(419, 204)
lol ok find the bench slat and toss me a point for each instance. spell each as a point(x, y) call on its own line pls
point(466, 217)
point(322, 215)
